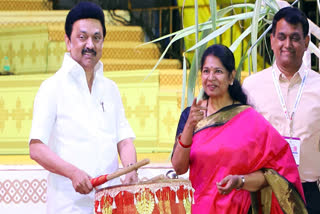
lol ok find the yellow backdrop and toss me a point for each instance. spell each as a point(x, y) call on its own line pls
point(151, 105)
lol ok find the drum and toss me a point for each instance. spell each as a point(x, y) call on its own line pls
point(162, 196)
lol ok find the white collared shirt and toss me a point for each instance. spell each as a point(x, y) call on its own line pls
point(82, 128)
point(262, 95)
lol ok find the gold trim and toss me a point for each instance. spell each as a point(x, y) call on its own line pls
point(221, 117)
point(187, 205)
point(289, 199)
point(145, 202)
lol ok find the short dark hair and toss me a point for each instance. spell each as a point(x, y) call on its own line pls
point(226, 57)
point(84, 10)
point(293, 16)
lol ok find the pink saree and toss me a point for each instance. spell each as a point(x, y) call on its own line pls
point(237, 140)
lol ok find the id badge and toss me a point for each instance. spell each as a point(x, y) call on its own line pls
point(295, 147)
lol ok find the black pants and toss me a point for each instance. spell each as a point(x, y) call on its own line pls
point(312, 195)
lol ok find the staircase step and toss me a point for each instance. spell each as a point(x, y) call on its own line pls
point(124, 33)
point(130, 50)
point(114, 33)
point(33, 17)
point(25, 5)
point(134, 64)
point(123, 48)
point(56, 51)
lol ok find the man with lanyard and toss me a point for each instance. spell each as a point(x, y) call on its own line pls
point(79, 126)
point(288, 95)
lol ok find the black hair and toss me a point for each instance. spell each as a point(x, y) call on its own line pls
point(84, 10)
point(293, 16)
point(227, 59)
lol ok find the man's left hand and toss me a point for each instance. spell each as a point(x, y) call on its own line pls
point(130, 178)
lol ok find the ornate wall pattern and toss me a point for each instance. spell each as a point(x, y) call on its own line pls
point(23, 191)
point(16, 104)
point(56, 50)
point(26, 48)
point(152, 112)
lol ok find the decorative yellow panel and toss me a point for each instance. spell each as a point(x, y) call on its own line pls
point(152, 113)
point(26, 48)
point(56, 50)
point(140, 99)
point(169, 104)
point(16, 103)
point(169, 114)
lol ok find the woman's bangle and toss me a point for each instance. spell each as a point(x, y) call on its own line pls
point(242, 182)
point(181, 144)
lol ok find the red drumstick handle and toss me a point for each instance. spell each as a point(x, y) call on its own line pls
point(99, 180)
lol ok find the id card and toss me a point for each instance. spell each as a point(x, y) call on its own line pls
point(295, 147)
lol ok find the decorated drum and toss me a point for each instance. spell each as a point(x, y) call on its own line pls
point(162, 196)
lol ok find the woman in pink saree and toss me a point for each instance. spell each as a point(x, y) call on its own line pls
point(237, 160)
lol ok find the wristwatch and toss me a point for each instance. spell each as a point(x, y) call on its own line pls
point(242, 182)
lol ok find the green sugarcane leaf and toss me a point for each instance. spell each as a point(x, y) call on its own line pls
point(272, 4)
point(314, 49)
point(190, 30)
point(203, 26)
point(213, 35)
point(254, 34)
point(222, 12)
point(184, 82)
point(213, 9)
point(194, 70)
point(196, 56)
point(238, 41)
point(243, 58)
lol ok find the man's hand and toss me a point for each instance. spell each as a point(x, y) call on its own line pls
point(81, 182)
point(42, 154)
point(128, 156)
point(130, 178)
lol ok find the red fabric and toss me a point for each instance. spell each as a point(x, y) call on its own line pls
point(124, 201)
point(99, 180)
point(243, 145)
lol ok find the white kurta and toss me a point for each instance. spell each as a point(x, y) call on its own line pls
point(82, 128)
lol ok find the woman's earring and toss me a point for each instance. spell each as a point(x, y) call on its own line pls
point(231, 83)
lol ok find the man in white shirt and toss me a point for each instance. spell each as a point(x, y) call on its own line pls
point(287, 95)
point(79, 125)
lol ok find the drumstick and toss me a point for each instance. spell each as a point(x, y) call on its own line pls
point(104, 178)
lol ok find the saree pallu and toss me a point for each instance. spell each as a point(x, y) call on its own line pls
point(237, 141)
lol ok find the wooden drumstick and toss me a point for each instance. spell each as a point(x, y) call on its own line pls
point(104, 178)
